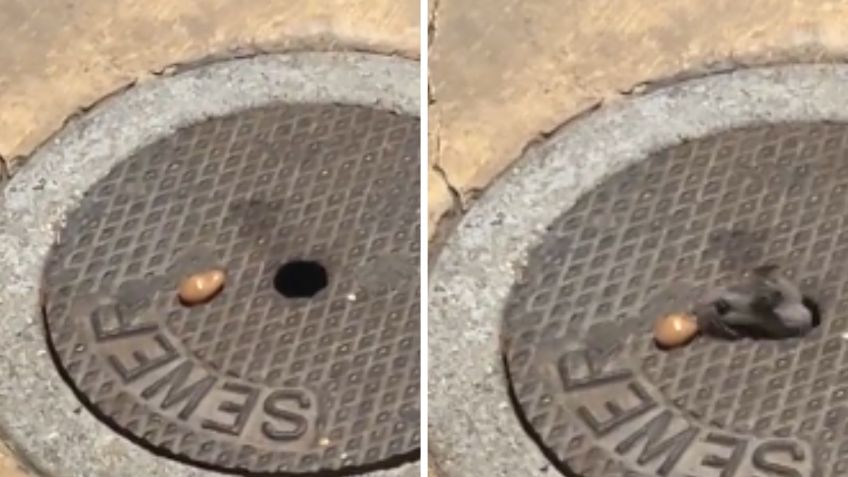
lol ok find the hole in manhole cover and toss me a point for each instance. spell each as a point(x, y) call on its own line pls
point(300, 279)
point(251, 381)
point(814, 308)
point(587, 379)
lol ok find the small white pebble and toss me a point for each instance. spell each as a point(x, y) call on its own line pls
point(845, 335)
point(351, 297)
point(324, 441)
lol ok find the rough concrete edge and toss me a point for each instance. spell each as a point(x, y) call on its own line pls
point(473, 430)
point(432, 21)
point(319, 43)
point(18, 463)
point(446, 220)
point(50, 436)
point(433, 468)
point(327, 43)
point(467, 195)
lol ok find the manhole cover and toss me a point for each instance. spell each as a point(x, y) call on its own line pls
point(309, 357)
point(587, 378)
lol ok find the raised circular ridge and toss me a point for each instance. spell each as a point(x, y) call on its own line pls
point(251, 380)
point(650, 240)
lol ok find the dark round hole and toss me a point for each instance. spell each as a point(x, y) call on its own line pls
point(814, 310)
point(300, 279)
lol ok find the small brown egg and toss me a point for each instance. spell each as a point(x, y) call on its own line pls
point(201, 287)
point(675, 329)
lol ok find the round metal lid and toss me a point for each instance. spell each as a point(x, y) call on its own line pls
point(308, 359)
point(585, 374)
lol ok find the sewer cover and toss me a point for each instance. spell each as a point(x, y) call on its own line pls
point(308, 359)
point(589, 383)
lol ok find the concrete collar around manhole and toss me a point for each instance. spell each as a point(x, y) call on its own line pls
point(235, 176)
point(556, 270)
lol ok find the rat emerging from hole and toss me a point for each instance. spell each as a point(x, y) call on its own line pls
point(765, 305)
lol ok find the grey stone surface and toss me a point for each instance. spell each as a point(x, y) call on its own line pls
point(472, 427)
point(38, 412)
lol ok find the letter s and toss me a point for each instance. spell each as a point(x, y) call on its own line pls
point(761, 462)
point(274, 407)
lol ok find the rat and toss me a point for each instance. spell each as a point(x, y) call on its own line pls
point(766, 305)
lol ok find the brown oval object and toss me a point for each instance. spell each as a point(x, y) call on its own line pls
point(201, 287)
point(675, 329)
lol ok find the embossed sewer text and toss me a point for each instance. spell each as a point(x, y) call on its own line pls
point(149, 362)
point(627, 417)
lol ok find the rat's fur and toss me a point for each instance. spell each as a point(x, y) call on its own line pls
point(767, 305)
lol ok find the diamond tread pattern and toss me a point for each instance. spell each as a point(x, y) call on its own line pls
point(332, 183)
point(652, 236)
